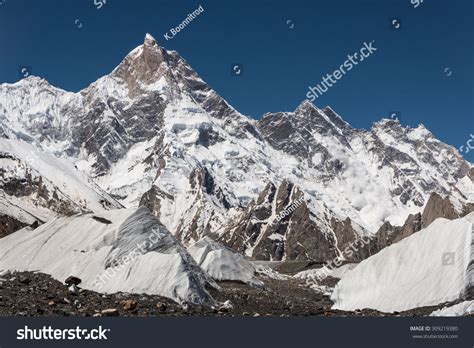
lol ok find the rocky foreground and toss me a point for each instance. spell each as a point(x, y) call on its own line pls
point(37, 294)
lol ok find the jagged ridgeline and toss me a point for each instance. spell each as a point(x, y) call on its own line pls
point(298, 185)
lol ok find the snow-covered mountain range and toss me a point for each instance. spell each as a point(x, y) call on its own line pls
point(152, 133)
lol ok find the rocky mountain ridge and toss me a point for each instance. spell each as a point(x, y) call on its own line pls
point(153, 133)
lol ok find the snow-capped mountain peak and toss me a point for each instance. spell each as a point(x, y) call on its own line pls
point(149, 40)
point(153, 133)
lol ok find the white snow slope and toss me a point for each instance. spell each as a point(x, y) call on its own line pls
point(463, 308)
point(132, 253)
point(317, 273)
point(64, 184)
point(222, 263)
point(427, 268)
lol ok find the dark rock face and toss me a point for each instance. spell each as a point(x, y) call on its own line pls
point(292, 132)
point(352, 246)
point(471, 174)
point(412, 224)
point(309, 242)
point(9, 225)
point(438, 207)
point(151, 200)
point(388, 234)
point(288, 232)
point(253, 229)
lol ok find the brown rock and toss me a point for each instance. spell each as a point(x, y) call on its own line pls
point(161, 306)
point(129, 305)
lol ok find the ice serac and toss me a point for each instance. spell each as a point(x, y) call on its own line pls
point(222, 263)
point(116, 251)
point(430, 267)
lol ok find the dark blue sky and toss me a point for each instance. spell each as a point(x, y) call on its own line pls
point(406, 74)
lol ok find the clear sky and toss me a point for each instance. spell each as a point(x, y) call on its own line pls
point(408, 73)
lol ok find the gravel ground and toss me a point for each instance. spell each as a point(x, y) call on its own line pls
point(37, 294)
